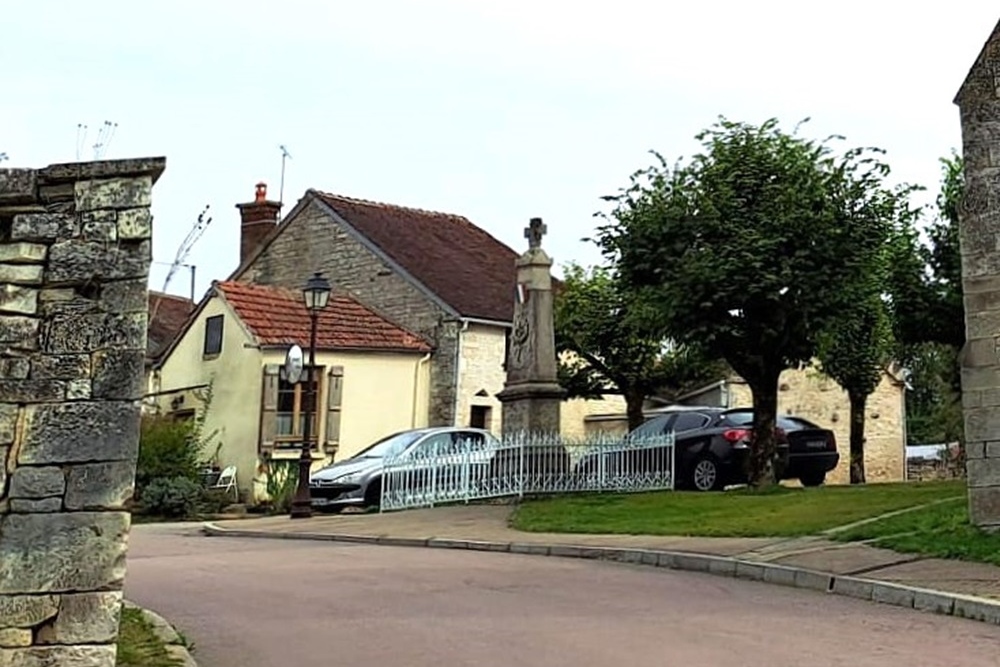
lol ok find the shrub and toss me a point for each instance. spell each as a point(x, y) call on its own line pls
point(213, 501)
point(167, 449)
point(173, 497)
point(281, 479)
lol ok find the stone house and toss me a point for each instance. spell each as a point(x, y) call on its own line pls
point(435, 274)
point(371, 377)
point(809, 394)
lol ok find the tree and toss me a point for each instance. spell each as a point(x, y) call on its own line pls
point(613, 352)
point(751, 250)
point(855, 353)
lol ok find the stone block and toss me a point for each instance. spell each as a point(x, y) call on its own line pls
point(977, 609)
point(14, 368)
point(984, 506)
point(19, 332)
point(59, 656)
point(932, 601)
point(8, 423)
point(26, 611)
point(80, 433)
point(992, 450)
point(982, 424)
point(44, 227)
point(125, 296)
point(60, 367)
point(17, 186)
point(975, 450)
point(119, 374)
point(815, 581)
point(100, 232)
point(22, 253)
point(983, 472)
point(86, 618)
point(21, 274)
point(18, 300)
point(4, 452)
point(32, 391)
point(897, 595)
point(114, 193)
point(34, 482)
point(15, 638)
point(66, 334)
point(135, 224)
point(82, 261)
point(99, 485)
point(980, 378)
point(78, 390)
point(851, 587)
point(48, 553)
point(42, 506)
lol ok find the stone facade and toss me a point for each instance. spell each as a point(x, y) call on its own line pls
point(312, 241)
point(979, 225)
point(481, 374)
point(74, 257)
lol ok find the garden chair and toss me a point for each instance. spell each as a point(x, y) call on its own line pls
point(227, 482)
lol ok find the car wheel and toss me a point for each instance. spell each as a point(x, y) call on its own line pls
point(705, 474)
point(813, 478)
point(373, 494)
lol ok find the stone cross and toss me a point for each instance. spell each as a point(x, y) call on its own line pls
point(534, 232)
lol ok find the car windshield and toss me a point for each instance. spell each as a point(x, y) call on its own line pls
point(392, 445)
point(786, 422)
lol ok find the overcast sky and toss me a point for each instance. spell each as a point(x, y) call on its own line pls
point(496, 111)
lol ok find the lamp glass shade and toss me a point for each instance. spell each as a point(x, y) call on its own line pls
point(316, 292)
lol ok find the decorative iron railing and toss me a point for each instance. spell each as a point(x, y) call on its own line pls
point(527, 464)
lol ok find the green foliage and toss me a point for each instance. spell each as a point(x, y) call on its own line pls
point(614, 350)
point(281, 477)
point(858, 347)
point(172, 497)
point(934, 397)
point(167, 449)
point(752, 250)
point(138, 643)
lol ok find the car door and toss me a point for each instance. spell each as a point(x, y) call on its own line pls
point(689, 437)
point(425, 460)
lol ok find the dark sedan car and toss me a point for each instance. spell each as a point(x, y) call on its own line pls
point(712, 446)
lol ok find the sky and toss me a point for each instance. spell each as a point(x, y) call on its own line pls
point(496, 111)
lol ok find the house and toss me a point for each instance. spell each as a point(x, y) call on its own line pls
point(371, 377)
point(807, 393)
point(435, 274)
point(167, 315)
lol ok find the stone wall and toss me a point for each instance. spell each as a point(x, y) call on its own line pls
point(74, 257)
point(979, 221)
point(313, 241)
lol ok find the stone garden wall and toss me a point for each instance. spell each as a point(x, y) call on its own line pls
point(74, 259)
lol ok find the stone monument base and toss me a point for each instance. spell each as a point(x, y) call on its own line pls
point(531, 407)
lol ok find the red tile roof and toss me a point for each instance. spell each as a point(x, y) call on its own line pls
point(462, 264)
point(167, 316)
point(277, 316)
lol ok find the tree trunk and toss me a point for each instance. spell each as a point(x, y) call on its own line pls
point(857, 437)
point(635, 400)
point(763, 445)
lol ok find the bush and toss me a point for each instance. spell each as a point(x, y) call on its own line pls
point(174, 497)
point(167, 449)
point(213, 501)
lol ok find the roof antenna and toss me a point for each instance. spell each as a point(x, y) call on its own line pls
point(281, 190)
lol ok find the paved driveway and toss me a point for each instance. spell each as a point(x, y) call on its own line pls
point(264, 603)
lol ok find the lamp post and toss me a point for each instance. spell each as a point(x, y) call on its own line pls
point(316, 294)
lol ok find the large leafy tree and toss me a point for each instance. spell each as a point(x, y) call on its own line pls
point(751, 250)
point(614, 351)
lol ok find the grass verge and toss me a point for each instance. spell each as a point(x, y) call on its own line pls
point(941, 531)
point(779, 512)
point(138, 645)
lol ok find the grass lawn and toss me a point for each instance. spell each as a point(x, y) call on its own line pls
point(138, 645)
point(780, 512)
point(941, 531)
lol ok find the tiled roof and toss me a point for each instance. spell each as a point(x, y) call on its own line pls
point(167, 316)
point(277, 316)
point(462, 264)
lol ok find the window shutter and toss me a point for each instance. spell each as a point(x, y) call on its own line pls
point(334, 396)
point(269, 407)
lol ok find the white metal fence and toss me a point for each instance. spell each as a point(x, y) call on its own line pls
point(527, 465)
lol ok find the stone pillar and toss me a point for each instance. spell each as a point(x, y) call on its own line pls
point(979, 231)
point(74, 261)
point(531, 396)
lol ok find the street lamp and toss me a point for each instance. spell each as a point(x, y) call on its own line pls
point(316, 294)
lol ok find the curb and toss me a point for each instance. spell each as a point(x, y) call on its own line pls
point(166, 634)
point(869, 590)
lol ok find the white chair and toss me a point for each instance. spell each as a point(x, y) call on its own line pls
point(227, 482)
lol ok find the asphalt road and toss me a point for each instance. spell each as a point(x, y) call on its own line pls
point(275, 603)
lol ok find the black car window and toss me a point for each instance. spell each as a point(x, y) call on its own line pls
point(744, 418)
point(655, 426)
point(689, 421)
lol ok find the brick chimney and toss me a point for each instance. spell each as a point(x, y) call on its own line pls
point(258, 218)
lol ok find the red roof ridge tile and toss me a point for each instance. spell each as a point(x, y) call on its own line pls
point(387, 205)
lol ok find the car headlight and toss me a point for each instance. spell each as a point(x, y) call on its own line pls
point(348, 479)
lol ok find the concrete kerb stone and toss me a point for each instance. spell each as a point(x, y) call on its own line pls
point(870, 590)
point(167, 634)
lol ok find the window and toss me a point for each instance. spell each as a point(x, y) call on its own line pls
point(213, 335)
point(293, 406)
point(689, 421)
point(480, 417)
point(655, 426)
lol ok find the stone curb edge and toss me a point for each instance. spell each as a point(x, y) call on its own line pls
point(167, 634)
point(870, 590)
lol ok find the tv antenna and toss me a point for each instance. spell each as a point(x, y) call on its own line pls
point(199, 227)
point(3, 156)
point(285, 155)
point(104, 136)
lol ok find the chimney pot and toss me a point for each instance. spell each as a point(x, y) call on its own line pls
point(261, 194)
point(258, 218)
